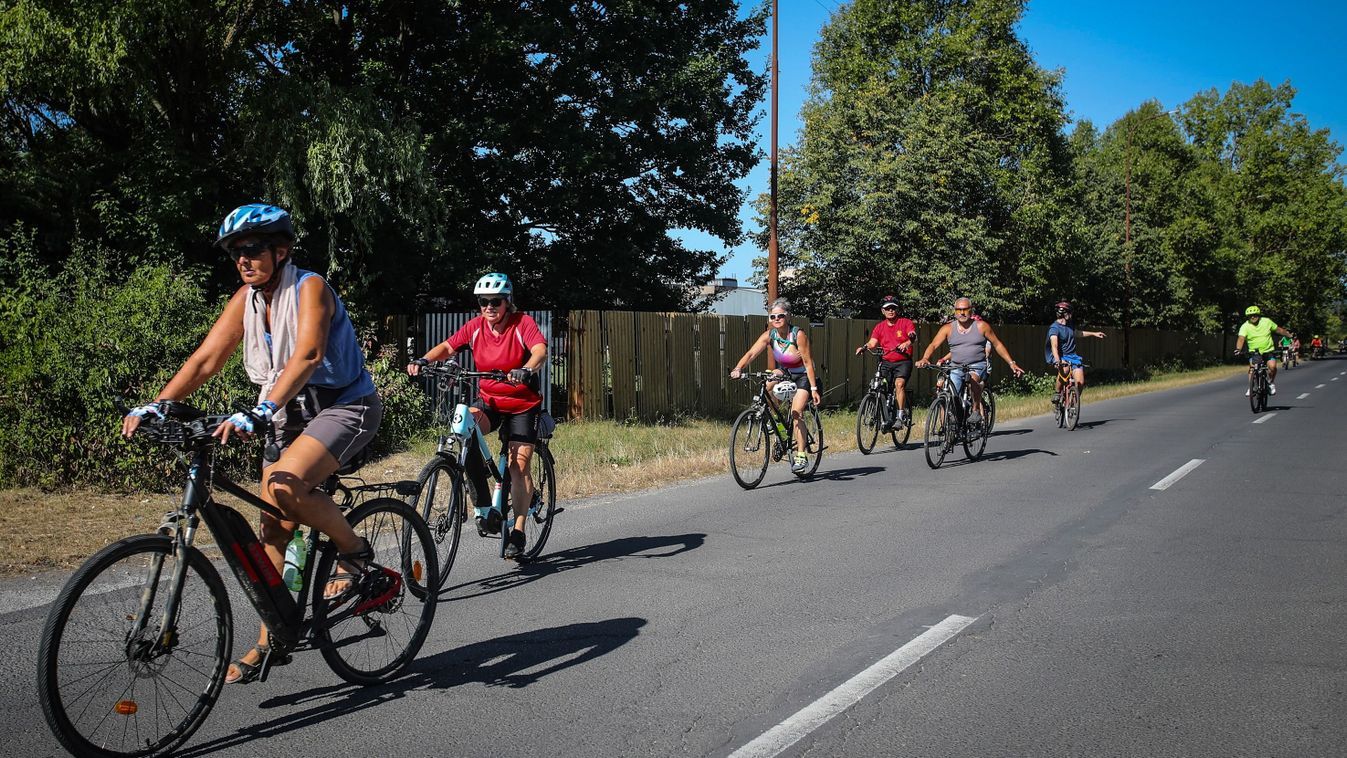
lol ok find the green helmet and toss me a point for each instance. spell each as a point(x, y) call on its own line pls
point(1252, 311)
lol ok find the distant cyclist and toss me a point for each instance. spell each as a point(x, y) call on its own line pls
point(968, 340)
point(898, 337)
point(502, 339)
point(1284, 348)
point(1061, 347)
point(1317, 347)
point(1257, 333)
point(794, 362)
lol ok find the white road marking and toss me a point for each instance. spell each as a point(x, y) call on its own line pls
point(1178, 474)
point(1320, 386)
point(816, 714)
point(1302, 396)
point(1264, 417)
point(1334, 379)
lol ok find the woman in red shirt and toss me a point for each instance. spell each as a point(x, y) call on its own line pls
point(502, 339)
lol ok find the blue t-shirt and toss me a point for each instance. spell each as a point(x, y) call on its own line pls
point(1066, 341)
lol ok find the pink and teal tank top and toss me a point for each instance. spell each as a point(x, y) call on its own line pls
point(784, 360)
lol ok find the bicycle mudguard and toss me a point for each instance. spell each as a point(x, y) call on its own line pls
point(261, 582)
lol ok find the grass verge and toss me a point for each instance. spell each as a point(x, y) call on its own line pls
point(45, 530)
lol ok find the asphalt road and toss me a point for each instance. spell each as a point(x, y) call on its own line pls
point(1076, 610)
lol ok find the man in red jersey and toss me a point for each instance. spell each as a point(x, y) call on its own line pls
point(898, 338)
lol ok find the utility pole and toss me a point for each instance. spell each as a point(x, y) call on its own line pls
point(771, 202)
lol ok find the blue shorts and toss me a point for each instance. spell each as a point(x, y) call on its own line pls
point(956, 376)
point(1073, 359)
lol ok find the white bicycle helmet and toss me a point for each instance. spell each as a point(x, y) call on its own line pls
point(494, 284)
point(784, 391)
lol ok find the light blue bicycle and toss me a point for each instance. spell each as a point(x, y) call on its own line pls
point(443, 484)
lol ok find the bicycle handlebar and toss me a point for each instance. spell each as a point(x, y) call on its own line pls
point(183, 424)
point(453, 370)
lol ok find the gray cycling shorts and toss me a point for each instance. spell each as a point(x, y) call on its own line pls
point(343, 429)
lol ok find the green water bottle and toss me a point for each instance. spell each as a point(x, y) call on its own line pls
point(296, 553)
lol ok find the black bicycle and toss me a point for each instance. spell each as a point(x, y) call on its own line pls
point(878, 412)
point(950, 419)
point(134, 650)
point(1258, 380)
point(765, 432)
point(443, 481)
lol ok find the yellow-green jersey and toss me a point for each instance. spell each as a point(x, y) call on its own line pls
point(1258, 337)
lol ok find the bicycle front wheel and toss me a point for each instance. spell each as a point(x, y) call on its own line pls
point(538, 525)
point(1255, 392)
point(989, 402)
point(117, 678)
point(1072, 406)
point(867, 423)
point(750, 449)
point(813, 440)
point(368, 645)
point(443, 504)
point(938, 433)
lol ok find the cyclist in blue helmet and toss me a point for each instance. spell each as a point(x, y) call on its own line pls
point(299, 346)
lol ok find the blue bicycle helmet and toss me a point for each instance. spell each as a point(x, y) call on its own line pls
point(255, 218)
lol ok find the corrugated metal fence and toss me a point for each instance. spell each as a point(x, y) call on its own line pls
point(624, 364)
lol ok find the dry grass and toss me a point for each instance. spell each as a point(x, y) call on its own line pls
point(44, 530)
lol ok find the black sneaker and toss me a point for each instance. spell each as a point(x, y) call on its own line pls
point(514, 547)
point(489, 526)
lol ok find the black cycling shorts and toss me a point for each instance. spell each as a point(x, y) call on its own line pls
point(513, 427)
point(896, 369)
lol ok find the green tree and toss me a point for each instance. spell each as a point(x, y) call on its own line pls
point(932, 164)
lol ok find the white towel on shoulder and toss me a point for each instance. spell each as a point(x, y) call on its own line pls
point(265, 365)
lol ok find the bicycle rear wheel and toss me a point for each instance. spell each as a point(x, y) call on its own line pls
point(939, 433)
point(989, 402)
point(112, 681)
point(750, 449)
point(813, 439)
point(1072, 406)
point(371, 645)
point(867, 423)
point(538, 525)
point(443, 503)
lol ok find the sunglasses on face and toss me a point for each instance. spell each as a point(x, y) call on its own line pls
point(251, 251)
point(776, 316)
point(963, 310)
point(490, 302)
point(888, 307)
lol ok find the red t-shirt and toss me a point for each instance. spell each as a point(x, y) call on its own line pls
point(505, 351)
point(890, 337)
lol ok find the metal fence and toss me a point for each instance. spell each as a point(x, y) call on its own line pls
point(648, 366)
point(435, 328)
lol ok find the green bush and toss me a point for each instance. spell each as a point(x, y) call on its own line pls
point(73, 341)
point(76, 339)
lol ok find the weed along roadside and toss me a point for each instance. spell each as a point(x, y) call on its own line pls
point(57, 530)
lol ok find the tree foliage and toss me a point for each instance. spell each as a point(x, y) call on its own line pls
point(418, 142)
point(934, 162)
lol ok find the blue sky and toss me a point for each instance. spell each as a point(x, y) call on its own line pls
point(1114, 57)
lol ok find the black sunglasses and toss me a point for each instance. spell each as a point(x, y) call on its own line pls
point(490, 302)
point(888, 307)
point(251, 251)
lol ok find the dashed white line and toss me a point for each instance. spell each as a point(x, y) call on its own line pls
point(773, 741)
point(1178, 474)
point(1302, 396)
point(1334, 379)
point(1320, 386)
point(1264, 417)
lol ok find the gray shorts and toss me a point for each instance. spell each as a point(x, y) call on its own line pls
point(343, 429)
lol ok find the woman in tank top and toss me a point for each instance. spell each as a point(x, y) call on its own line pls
point(790, 350)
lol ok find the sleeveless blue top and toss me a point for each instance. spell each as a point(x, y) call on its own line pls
point(343, 361)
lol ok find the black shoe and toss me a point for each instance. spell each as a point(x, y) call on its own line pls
point(489, 526)
point(514, 547)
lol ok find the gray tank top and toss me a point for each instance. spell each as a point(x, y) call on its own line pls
point(967, 348)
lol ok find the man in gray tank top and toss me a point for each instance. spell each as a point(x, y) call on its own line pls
point(968, 340)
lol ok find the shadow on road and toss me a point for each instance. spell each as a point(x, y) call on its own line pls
point(835, 475)
point(1009, 432)
point(1100, 422)
point(513, 661)
point(1006, 455)
point(566, 560)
